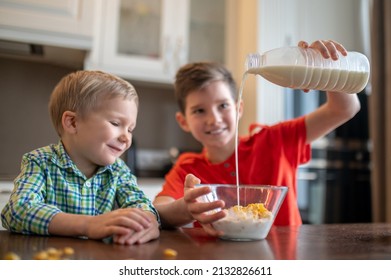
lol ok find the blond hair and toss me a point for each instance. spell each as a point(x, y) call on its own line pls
point(83, 91)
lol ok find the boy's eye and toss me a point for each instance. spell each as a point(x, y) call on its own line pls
point(198, 111)
point(224, 105)
point(115, 123)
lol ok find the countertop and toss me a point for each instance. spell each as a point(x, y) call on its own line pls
point(306, 242)
point(6, 186)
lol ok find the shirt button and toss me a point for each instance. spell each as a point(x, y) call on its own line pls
point(233, 173)
point(88, 184)
point(226, 165)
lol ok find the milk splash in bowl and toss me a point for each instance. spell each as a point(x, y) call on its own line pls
point(250, 209)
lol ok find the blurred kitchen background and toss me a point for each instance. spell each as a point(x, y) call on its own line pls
point(145, 41)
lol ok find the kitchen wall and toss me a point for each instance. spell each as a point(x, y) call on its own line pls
point(25, 87)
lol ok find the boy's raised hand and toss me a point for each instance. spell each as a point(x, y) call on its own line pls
point(328, 49)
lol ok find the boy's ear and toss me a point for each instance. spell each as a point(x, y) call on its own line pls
point(68, 122)
point(180, 118)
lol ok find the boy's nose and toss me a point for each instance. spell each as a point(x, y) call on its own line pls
point(214, 117)
point(125, 138)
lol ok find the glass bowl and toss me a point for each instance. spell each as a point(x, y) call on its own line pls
point(251, 209)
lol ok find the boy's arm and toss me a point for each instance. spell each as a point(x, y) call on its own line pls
point(173, 213)
point(339, 108)
point(129, 193)
point(69, 224)
point(26, 211)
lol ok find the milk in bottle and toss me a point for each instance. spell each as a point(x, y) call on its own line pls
point(299, 68)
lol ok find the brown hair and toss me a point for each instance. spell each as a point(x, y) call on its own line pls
point(195, 76)
point(83, 91)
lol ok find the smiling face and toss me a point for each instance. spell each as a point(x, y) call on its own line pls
point(101, 136)
point(210, 116)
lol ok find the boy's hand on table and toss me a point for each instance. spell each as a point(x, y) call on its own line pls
point(121, 222)
point(139, 237)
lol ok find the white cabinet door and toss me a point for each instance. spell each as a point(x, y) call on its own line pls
point(207, 30)
point(65, 23)
point(149, 40)
point(133, 39)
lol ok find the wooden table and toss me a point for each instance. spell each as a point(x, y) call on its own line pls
point(307, 242)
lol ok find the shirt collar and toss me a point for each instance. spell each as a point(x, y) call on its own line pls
point(62, 160)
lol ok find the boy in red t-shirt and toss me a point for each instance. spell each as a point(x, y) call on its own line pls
point(270, 155)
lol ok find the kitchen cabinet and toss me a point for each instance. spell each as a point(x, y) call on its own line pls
point(5, 192)
point(150, 186)
point(64, 23)
point(150, 40)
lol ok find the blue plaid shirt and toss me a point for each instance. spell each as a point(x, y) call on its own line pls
point(50, 183)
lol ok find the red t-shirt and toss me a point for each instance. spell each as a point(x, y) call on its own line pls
point(270, 155)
